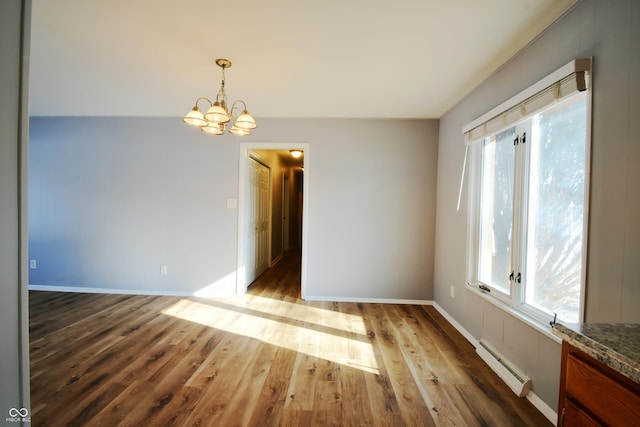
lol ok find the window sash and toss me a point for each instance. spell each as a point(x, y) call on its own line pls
point(555, 242)
point(513, 293)
point(496, 212)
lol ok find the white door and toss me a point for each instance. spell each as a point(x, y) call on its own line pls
point(258, 251)
point(285, 212)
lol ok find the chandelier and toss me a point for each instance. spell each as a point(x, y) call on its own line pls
point(218, 117)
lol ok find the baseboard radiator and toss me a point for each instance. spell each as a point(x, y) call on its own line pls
point(510, 374)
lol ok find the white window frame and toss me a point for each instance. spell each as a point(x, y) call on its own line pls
point(478, 130)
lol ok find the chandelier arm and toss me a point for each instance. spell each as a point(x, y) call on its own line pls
point(233, 106)
point(206, 99)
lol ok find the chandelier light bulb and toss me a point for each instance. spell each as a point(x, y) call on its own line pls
point(245, 121)
point(212, 129)
point(217, 114)
point(195, 117)
point(239, 131)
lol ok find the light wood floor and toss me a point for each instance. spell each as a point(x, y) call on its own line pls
point(266, 359)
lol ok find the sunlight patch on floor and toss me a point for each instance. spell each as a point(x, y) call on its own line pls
point(306, 313)
point(326, 334)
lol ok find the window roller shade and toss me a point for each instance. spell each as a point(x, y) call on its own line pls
point(571, 78)
point(566, 81)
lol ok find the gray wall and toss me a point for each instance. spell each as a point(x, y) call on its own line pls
point(610, 32)
point(112, 199)
point(14, 369)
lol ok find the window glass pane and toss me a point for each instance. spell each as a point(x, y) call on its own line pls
point(556, 209)
point(496, 210)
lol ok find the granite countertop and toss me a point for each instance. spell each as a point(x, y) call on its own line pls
point(616, 345)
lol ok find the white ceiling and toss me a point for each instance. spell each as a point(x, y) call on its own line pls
point(291, 58)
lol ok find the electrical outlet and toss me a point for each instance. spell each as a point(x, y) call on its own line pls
point(453, 292)
point(163, 270)
point(32, 264)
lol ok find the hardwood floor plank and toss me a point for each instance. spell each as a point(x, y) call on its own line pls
point(302, 387)
point(123, 406)
point(110, 354)
point(267, 359)
point(356, 410)
point(234, 406)
point(412, 406)
point(382, 400)
point(81, 409)
point(179, 409)
point(327, 409)
point(170, 395)
point(268, 410)
point(428, 372)
point(102, 328)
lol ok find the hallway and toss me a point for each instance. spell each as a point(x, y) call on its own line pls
point(283, 279)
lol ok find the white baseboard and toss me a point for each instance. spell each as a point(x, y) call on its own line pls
point(458, 326)
point(539, 404)
point(368, 300)
point(112, 291)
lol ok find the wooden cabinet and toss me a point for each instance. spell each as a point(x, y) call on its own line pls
point(592, 394)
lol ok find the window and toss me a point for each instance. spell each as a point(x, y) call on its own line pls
point(528, 209)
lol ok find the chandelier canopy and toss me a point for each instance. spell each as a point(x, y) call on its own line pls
point(217, 118)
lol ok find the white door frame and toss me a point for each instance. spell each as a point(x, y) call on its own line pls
point(243, 231)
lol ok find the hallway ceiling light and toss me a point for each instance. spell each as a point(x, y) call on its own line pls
point(218, 116)
point(296, 154)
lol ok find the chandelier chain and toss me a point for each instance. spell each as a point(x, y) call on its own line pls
point(222, 95)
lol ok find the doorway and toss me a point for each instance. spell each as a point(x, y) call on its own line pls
point(291, 236)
